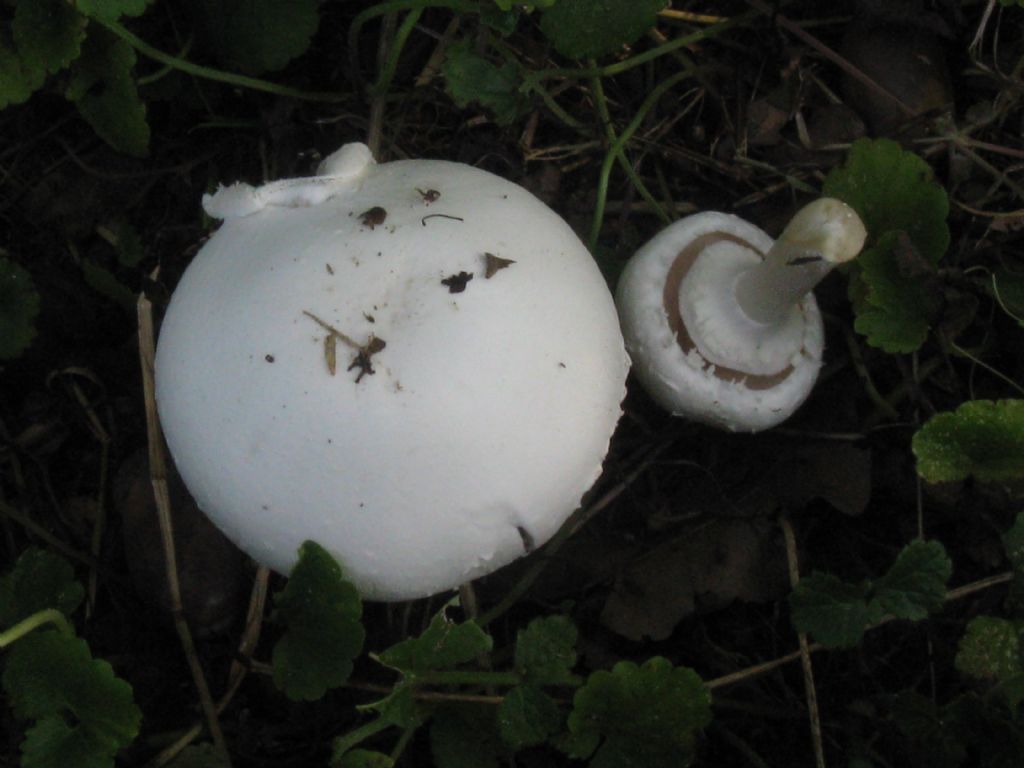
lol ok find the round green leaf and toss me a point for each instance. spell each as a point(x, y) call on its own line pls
point(983, 438)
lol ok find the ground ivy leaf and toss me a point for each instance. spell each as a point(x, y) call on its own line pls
point(47, 33)
point(983, 438)
point(894, 306)
point(321, 613)
point(834, 612)
point(916, 582)
point(444, 644)
point(893, 190)
point(17, 79)
point(399, 707)
point(255, 36)
point(103, 89)
point(527, 716)
point(470, 78)
point(84, 712)
point(19, 303)
point(546, 650)
point(465, 736)
point(111, 10)
point(904, 210)
point(645, 716)
point(39, 580)
point(991, 648)
point(590, 28)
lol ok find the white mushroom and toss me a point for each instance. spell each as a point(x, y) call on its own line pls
point(719, 319)
point(416, 364)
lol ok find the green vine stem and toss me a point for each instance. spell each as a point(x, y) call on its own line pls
point(615, 151)
point(208, 73)
point(387, 72)
point(381, 9)
point(37, 619)
point(619, 67)
point(343, 744)
point(480, 677)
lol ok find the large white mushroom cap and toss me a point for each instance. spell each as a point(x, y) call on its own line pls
point(478, 371)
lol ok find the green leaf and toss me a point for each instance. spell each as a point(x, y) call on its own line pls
point(591, 28)
point(471, 78)
point(916, 582)
point(103, 89)
point(893, 190)
point(837, 613)
point(642, 717)
point(503, 22)
point(364, 758)
point(399, 707)
point(48, 34)
point(465, 736)
point(904, 210)
point(17, 79)
point(444, 644)
point(19, 307)
point(893, 304)
point(256, 36)
point(111, 10)
point(983, 438)
point(84, 713)
point(39, 580)
point(321, 613)
point(546, 650)
point(527, 716)
point(991, 649)
point(834, 612)
point(105, 282)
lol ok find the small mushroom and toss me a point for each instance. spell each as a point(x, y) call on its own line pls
point(719, 320)
point(460, 445)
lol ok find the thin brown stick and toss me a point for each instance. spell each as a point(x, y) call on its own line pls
point(253, 624)
point(250, 638)
point(377, 103)
point(158, 478)
point(805, 652)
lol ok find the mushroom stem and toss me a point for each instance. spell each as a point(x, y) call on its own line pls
point(822, 235)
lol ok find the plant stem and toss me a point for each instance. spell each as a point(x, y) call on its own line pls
point(37, 619)
point(208, 73)
point(387, 73)
point(343, 744)
point(616, 152)
point(385, 8)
